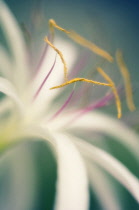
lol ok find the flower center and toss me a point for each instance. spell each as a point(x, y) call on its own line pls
point(97, 50)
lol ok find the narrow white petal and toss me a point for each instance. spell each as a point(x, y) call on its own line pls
point(5, 63)
point(103, 188)
point(15, 40)
point(4, 105)
point(103, 123)
point(39, 131)
point(22, 183)
point(72, 186)
point(8, 89)
point(111, 165)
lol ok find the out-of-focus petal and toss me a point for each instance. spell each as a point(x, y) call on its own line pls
point(5, 63)
point(72, 186)
point(103, 188)
point(99, 122)
point(39, 131)
point(112, 166)
point(4, 105)
point(21, 179)
point(8, 89)
point(15, 40)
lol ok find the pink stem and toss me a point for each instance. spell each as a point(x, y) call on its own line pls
point(63, 107)
point(41, 86)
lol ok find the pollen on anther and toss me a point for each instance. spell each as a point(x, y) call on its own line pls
point(127, 81)
point(81, 80)
point(81, 40)
point(60, 55)
point(115, 92)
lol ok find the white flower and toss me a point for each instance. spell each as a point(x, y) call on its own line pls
point(33, 113)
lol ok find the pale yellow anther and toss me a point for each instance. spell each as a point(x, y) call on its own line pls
point(53, 24)
point(91, 46)
point(81, 80)
point(126, 76)
point(117, 98)
point(80, 40)
point(60, 55)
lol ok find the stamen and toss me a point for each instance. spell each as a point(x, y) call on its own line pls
point(41, 86)
point(117, 98)
point(80, 40)
point(60, 55)
point(81, 80)
point(52, 25)
point(126, 76)
point(91, 46)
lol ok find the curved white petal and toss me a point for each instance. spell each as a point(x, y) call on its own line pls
point(4, 105)
point(22, 182)
point(72, 186)
point(111, 165)
point(5, 63)
point(103, 188)
point(103, 123)
point(39, 131)
point(8, 89)
point(15, 41)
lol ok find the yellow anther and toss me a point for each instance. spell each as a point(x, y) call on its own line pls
point(82, 41)
point(117, 98)
point(60, 55)
point(126, 76)
point(91, 46)
point(80, 80)
point(53, 24)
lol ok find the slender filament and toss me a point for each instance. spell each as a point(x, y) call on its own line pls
point(60, 55)
point(63, 106)
point(44, 81)
point(127, 81)
point(117, 98)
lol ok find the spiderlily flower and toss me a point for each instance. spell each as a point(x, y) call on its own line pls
point(34, 112)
